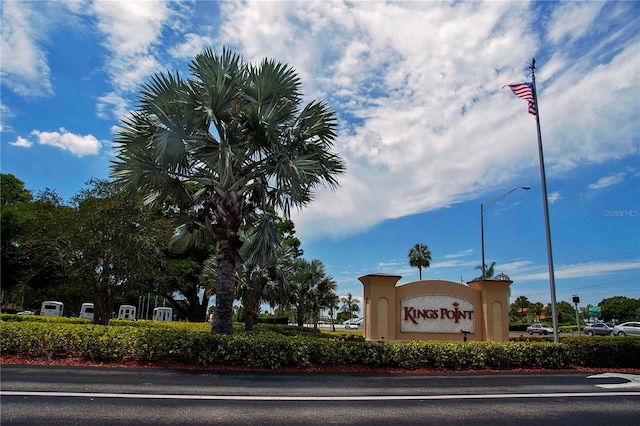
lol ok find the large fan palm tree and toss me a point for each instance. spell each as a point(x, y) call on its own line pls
point(420, 257)
point(225, 145)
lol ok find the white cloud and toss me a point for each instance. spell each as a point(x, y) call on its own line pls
point(424, 122)
point(24, 64)
point(572, 20)
point(462, 253)
point(603, 182)
point(554, 196)
point(22, 142)
point(76, 144)
point(112, 105)
point(193, 44)
point(579, 270)
point(132, 32)
point(131, 27)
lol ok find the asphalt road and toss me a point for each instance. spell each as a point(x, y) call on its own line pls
point(37, 395)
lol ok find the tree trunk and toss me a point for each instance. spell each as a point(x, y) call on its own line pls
point(300, 314)
point(251, 310)
point(223, 316)
point(103, 305)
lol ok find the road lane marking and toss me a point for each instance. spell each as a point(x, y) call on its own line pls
point(317, 398)
point(633, 380)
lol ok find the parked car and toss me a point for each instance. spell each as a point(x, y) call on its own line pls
point(598, 329)
point(25, 313)
point(353, 323)
point(627, 329)
point(542, 329)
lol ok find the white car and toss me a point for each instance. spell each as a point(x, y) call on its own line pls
point(627, 329)
point(353, 323)
point(542, 329)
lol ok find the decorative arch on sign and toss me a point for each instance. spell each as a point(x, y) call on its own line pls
point(383, 318)
point(496, 320)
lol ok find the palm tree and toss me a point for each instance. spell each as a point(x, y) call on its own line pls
point(333, 308)
point(314, 288)
point(536, 309)
point(420, 257)
point(321, 297)
point(349, 305)
point(489, 270)
point(521, 303)
point(227, 144)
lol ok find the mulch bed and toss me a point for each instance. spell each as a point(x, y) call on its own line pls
point(79, 362)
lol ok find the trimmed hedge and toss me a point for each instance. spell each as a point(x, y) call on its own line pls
point(268, 348)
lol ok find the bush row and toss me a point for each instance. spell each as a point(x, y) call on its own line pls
point(267, 348)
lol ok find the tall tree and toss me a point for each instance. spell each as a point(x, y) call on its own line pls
point(115, 244)
point(420, 257)
point(262, 279)
point(566, 312)
point(240, 135)
point(620, 308)
point(180, 282)
point(14, 205)
point(333, 303)
point(536, 308)
point(520, 304)
point(40, 246)
point(349, 305)
point(321, 297)
point(313, 288)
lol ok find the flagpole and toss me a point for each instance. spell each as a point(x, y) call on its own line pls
point(545, 201)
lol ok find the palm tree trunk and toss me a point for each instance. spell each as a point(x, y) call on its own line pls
point(225, 294)
point(251, 308)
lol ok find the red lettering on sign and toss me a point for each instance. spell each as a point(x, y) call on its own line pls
point(412, 314)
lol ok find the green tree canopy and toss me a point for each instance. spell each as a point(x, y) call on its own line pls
point(620, 308)
point(115, 244)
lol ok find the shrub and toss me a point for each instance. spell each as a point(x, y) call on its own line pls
point(271, 346)
point(604, 351)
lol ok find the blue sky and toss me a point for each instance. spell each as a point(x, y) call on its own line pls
point(426, 129)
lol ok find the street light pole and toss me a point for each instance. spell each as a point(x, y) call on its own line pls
point(576, 300)
point(484, 207)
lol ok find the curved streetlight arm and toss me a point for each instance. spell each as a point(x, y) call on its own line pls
point(485, 206)
point(488, 204)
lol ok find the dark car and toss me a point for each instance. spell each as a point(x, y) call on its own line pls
point(599, 329)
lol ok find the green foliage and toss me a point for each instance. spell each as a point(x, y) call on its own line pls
point(40, 318)
point(604, 352)
point(620, 308)
point(272, 346)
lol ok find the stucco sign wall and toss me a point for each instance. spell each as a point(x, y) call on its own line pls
point(436, 314)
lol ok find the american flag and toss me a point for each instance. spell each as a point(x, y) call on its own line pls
point(525, 91)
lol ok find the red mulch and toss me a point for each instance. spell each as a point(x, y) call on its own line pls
point(78, 362)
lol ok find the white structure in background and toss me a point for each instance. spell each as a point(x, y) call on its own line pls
point(127, 312)
point(162, 314)
point(86, 311)
point(51, 308)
